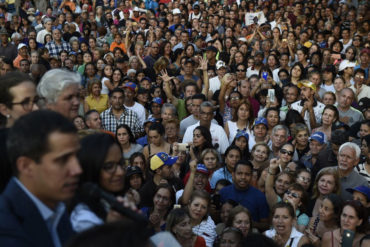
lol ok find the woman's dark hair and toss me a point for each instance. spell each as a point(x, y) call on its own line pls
point(203, 195)
point(337, 205)
point(129, 132)
point(304, 196)
point(272, 109)
point(172, 195)
point(293, 117)
point(162, 46)
point(207, 136)
point(223, 182)
point(302, 70)
point(258, 240)
point(94, 149)
point(237, 210)
point(367, 140)
point(265, 69)
point(233, 147)
point(157, 127)
point(175, 217)
point(335, 110)
point(360, 212)
point(286, 205)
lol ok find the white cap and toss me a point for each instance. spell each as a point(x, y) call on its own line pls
point(136, 9)
point(220, 64)
point(21, 45)
point(242, 39)
point(176, 11)
point(346, 64)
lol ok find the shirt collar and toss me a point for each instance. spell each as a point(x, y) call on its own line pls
point(44, 210)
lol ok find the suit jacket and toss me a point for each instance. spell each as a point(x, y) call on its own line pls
point(21, 223)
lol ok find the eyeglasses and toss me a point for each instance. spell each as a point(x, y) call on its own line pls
point(234, 98)
point(360, 76)
point(283, 151)
point(28, 103)
point(289, 193)
point(303, 179)
point(240, 70)
point(111, 167)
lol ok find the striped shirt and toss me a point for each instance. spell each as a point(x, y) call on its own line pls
point(207, 230)
point(110, 122)
point(360, 168)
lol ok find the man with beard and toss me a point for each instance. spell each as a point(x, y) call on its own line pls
point(118, 114)
point(310, 109)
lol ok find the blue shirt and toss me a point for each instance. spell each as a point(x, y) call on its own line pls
point(143, 141)
point(251, 198)
point(219, 174)
point(50, 217)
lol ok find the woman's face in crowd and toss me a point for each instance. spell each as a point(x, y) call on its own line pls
point(108, 71)
point(210, 161)
point(326, 210)
point(260, 153)
point(242, 143)
point(349, 219)
point(242, 222)
point(154, 137)
point(198, 138)
point(282, 183)
point(183, 228)
point(122, 136)
point(139, 162)
point(282, 221)
point(326, 184)
point(272, 118)
point(296, 72)
point(328, 99)
point(231, 158)
point(112, 175)
point(198, 208)
point(304, 179)
point(302, 138)
point(293, 197)
point(225, 211)
point(79, 123)
point(162, 199)
point(136, 181)
point(328, 117)
point(243, 112)
point(284, 153)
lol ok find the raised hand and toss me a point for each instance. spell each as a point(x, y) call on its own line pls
point(165, 77)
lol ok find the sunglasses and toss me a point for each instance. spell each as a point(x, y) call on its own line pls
point(289, 193)
point(240, 70)
point(283, 151)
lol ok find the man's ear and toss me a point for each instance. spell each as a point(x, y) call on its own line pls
point(25, 166)
point(4, 110)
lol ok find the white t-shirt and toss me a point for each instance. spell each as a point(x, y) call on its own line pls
point(218, 136)
point(140, 111)
point(251, 72)
point(214, 84)
point(318, 109)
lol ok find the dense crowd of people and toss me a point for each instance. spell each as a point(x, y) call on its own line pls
point(220, 123)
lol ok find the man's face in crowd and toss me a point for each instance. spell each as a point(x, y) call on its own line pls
point(55, 177)
point(94, 121)
point(5, 68)
point(291, 95)
point(195, 106)
point(258, 60)
point(117, 100)
point(184, 38)
point(24, 66)
point(315, 79)
point(57, 36)
point(206, 116)
point(48, 26)
point(154, 50)
point(244, 88)
point(279, 138)
point(347, 159)
point(345, 98)
point(4, 38)
point(242, 176)
point(190, 91)
point(67, 102)
point(306, 93)
point(316, 147)
point(24, 93)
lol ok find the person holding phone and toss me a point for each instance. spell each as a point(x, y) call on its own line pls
point(353, 223)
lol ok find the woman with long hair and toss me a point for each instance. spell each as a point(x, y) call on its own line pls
point(240, 218)
point(178, 223)
point(353, 218)
point(126, 140)
point(300, 141)
point(105, 169)
point(296, 73)
point(242, 120)
point(241, 141)
point(202, 140)
point(259, 159)
point(157, 142)
point(107, 79)
point(327, 220)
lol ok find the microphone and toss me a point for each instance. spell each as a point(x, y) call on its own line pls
point(93, 191)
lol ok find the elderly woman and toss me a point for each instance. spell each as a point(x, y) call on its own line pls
point(60, 89)
point(95, 100)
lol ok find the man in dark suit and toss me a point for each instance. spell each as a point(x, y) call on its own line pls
point(42, 148)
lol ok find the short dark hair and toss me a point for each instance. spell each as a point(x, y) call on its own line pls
point(88, 113)
point(9, 80)
point(338, 137)
point(32, 131)
point(116, 90)
point(243, 163)
point(199, 96)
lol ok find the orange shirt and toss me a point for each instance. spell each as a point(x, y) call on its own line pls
point(114, 45)
point(17, 61)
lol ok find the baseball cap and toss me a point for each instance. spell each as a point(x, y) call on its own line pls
point(157, 100)
point(260, 120)
point(365, 50)
point(126, 11)
point(318, 136)
point(136, 9)
point(160, 159)
point(220, 64)
point(146, 78)
point(242, 133)
point(202, 169)
point(306, 83)
point(131, 71)
point(131, 86)
point(176, 11)
point(364, 104)
point(21, 45)
point(196, 6)
point(131, 170)
point(150, 120)
point(211, 48)
point(362, 189)
point(346, 64)
point(189, 60)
